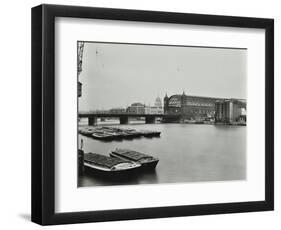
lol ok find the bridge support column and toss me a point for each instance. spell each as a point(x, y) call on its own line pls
point(124, 120)
point(149, 120)
point(92, 121)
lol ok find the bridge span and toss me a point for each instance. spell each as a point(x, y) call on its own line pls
point(124, 117)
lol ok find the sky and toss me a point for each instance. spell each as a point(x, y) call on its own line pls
point(117, 75)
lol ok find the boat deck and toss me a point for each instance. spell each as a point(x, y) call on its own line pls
point(101, 160)
point(136, 156)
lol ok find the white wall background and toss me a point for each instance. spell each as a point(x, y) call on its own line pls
point(15, 114)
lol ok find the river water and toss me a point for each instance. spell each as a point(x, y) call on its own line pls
point(186, 152)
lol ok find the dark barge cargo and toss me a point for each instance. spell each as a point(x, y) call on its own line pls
point(146, 161)
point(108, 165)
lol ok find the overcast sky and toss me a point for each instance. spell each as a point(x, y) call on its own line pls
point(117, 75)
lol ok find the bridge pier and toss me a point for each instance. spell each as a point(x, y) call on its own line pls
point(92, 121)
point(124, 120)
point(149, 120)
point(172, 119)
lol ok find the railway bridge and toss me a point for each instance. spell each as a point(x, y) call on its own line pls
point(124, 117)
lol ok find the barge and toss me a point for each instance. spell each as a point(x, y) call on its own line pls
point(115, 133)
point(146, 161)
point(149, 133)
point(102, 136)
point(86, 132)
point(106, 165)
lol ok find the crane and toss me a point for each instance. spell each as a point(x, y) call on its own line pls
point(80, 49)
point(80, 57)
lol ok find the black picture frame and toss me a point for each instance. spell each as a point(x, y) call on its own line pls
point(43, 113)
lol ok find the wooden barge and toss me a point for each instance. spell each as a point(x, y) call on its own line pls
point(150, 133)
point(115, 133)
point(106, 165)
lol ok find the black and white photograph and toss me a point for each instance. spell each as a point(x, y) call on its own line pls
point(154, 114)
point(140, 114)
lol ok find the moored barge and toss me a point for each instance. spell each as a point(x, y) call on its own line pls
point(108, 165)
point(115, 133)
point(102, 136)
point(149, 133)
point(146, 161)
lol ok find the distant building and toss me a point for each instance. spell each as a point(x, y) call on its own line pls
point(136, 108)
point(158, 102)
point(139, 108)
point(117, 110)
point(153, 110)
point(156, 109)
point(230, 111)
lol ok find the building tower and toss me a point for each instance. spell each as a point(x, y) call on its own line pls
point(183, 103)
point(166, 104)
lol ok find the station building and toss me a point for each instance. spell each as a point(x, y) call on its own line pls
point(190, 107)
point(201, 108)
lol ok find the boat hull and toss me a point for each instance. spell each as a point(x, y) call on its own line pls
point(92, 170)
point(151, 134)
point(103, 138)
point(149, 165)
